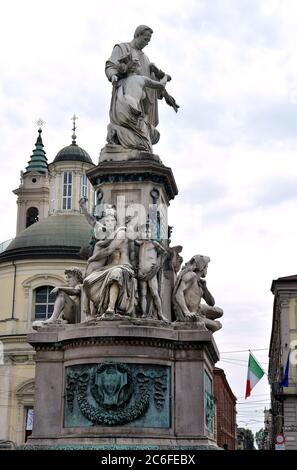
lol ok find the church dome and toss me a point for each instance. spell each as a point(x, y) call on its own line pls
point(73, 153)
point(57, 236)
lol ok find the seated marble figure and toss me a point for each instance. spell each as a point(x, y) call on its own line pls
point(190, 288)
point(67, 306)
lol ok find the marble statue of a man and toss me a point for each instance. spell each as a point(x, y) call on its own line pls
point(114, 72)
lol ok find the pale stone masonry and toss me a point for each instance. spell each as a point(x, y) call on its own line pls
point(283, 340)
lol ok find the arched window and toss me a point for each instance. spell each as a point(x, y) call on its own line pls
point(31, 216)
point(44, 302)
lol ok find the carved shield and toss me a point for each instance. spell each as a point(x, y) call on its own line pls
point(111, 382)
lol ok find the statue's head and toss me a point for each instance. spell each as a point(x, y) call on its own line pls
point(199, 263)
point(142, 36)
point(134, 66)
point(127, 65)
point(74, 276)
point(109, 219)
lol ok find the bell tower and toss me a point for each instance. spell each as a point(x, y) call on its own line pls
point(33, 192)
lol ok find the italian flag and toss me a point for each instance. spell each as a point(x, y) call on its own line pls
point(255, 373)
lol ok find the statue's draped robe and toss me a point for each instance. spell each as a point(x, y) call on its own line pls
point(132, 131)
point(97, 286)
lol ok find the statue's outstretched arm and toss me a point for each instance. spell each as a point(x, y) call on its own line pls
point(90, 218)
point(159, 74)
point(67, 290)
point(154, 84)
point(170, 100)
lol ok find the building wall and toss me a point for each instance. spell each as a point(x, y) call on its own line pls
point(17, 367)
point(18, 281)
point(17, 311)
point(15, 375)
point(225, 411)
point(284, 339)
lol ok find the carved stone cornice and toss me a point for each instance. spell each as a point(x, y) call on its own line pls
point(21, 357)
point(128, 341)
point(14, 338)
point(134, 170)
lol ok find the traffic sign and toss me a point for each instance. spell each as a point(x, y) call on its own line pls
point(280, 439)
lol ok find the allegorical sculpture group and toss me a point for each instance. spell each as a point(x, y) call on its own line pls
point(124, 276)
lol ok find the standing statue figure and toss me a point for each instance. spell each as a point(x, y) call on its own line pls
point(151, 255)
point(190, 289)
point(67, 302)
point(119, 69)
point(102, 230)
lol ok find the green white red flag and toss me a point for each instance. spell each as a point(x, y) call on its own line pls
point(255, 373)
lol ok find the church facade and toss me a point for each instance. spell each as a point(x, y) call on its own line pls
point(51, 236)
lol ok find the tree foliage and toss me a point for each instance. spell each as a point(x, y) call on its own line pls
point(260, 438)
point(247, 438)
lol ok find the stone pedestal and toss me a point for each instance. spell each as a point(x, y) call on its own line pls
point(116, 153)
point(122, 383)
point(141, 189)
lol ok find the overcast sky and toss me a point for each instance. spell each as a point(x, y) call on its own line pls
point(232, 146)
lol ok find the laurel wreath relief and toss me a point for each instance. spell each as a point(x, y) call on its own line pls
point(141, 387)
